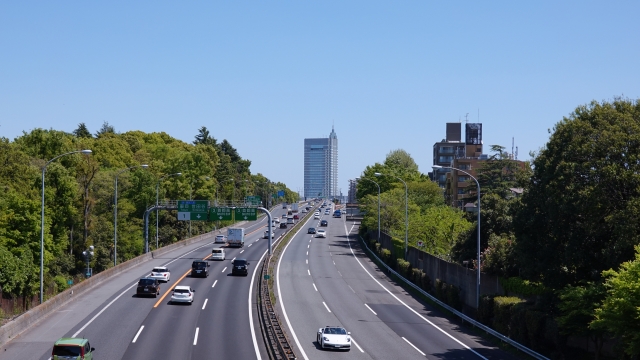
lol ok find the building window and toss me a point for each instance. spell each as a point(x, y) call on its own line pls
point(464, 166)
point(460, 191)
point(446, 150)
point(445, 159)
point(463, 178)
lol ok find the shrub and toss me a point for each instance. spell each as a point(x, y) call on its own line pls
point(536, 323)
point(404, 267)
point(449, 294)
point(516, 285)
point(60, 283)
point(421, 279)
point(502, 307)
point(518, 323)
point(378, 247)
point(386, 255)
point(485, 311)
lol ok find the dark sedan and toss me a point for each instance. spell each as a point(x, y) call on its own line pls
point(148, 287)
point(240, 267)
point(324, 223)
point(283, 225)
point(311, 231)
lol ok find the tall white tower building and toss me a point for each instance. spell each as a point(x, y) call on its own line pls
point(321, 166)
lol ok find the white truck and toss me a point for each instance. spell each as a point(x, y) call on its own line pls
point(235, 237)
point(294, 208)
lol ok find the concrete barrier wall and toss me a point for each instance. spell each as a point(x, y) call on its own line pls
point(13, 328)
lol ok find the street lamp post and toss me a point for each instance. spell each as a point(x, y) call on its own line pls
point(406, 214)
point(157, 191)
point(115, 213)
point(44, 169)
point(378, 185)
point(478, 244)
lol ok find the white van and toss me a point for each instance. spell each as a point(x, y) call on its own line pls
point(217, 254)
point(290, 220)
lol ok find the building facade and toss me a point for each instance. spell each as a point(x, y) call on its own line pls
point(321, 167)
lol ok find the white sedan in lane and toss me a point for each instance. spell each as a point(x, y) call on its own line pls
point(321, 233)
point(334, 337)
point(182, 294)
point(160, 273)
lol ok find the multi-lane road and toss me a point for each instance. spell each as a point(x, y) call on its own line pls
point(329, 281)
point(221, 323)
point(320, 281)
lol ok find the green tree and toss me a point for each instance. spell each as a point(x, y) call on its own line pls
point(578, 214)
point(620, 310)
point(203, 138)
point(577, 310)
point(81, 131)
point(106, 129)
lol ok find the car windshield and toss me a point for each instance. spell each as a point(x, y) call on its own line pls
point(199, 265)
point(159, 270)
point(335, 331)
point(146, 282)
point(67, 350)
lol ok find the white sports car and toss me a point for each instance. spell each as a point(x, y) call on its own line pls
point(334, 337)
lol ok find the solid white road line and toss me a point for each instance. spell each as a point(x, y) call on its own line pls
point(214, 283)
point(137, 334)
point(403, 303)
point(225, 268)
point(356, 344)
point(314, 286)
point(195, 338)
point(253, 330)
point(325, 305)
point(103, 309)
point(374, 313)
point(205, 304)
point(409, 342)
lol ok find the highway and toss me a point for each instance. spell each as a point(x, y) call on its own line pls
point(330, 281)
point(221, 323)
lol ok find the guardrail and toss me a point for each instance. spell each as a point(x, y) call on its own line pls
point(462, 316)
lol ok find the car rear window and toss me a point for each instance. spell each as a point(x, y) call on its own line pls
point(181, 291)
point(217, 251)
point(159, 270)
point(146, 282)
point(239, 262)
point(199, 265)
point(67, 350)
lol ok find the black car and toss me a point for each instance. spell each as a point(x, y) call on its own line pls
point(283, 225)
point(324, 223)
point(199, 268)
point(148, 287)
point(240, 267)
point(311, 231)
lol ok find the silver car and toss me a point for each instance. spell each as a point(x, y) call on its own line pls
point(182, 294)
point(335, 337)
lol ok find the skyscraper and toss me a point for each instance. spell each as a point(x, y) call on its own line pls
point(321, 166)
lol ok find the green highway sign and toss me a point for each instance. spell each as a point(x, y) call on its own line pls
point(253, 200)
point(220, 213)
point(246, 213)
point(193, 209)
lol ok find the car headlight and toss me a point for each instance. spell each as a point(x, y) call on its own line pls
point(348, 339)
point(325, 338)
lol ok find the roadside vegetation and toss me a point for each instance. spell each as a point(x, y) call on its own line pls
point(79, 199)
point(567, 250)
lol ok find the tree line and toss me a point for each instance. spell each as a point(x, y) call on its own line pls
point(79, 197)
point(572, 236)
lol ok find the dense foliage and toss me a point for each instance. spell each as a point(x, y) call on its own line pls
point(79, 197)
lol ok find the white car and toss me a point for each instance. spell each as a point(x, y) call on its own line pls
point(321, 233)
point(218, 254)
point(334, 337)
point(182, 294)
point(221, 239)
point(316, 216)
point(160, 273)
point(277, 220)
point(266, 234)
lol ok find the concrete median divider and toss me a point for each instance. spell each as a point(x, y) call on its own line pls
point(24, 321)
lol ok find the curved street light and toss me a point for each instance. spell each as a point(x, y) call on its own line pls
point(478, 185)
point(115, 213)
point(44, 169)
point(157, 190)
point(406, 213)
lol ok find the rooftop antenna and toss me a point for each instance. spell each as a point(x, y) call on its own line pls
point(466, 118)
point(516, 153)
point(512, 143)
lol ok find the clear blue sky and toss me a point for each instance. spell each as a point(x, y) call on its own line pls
point(267, 74)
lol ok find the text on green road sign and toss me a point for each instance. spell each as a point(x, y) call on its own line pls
point(246, 214)
point(220, 213)
point(199, 206)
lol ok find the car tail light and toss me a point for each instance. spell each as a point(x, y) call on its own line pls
point(165, 275)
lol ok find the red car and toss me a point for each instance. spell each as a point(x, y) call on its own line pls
point(295, 217)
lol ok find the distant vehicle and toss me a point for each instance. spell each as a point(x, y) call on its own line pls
point(220, 239)
point(334, 337)
point(72, 348)
point(266, 234)
point(283, 225)
point(337, 213)
point(235, 237)
point(240, 267)
point(316, 216)
point(277, 220)
point(324, 223)
point(321, 233)
point(284, 205)
point(289, 212)
point(290, 220)
point(199, 268)
point(284, 216)
point(160, 273)
point(296, 217)
point(303, 211)
point(294, 208)
point(148, 287)
point(311, 230)
point(182, 294)
point(218, 254)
